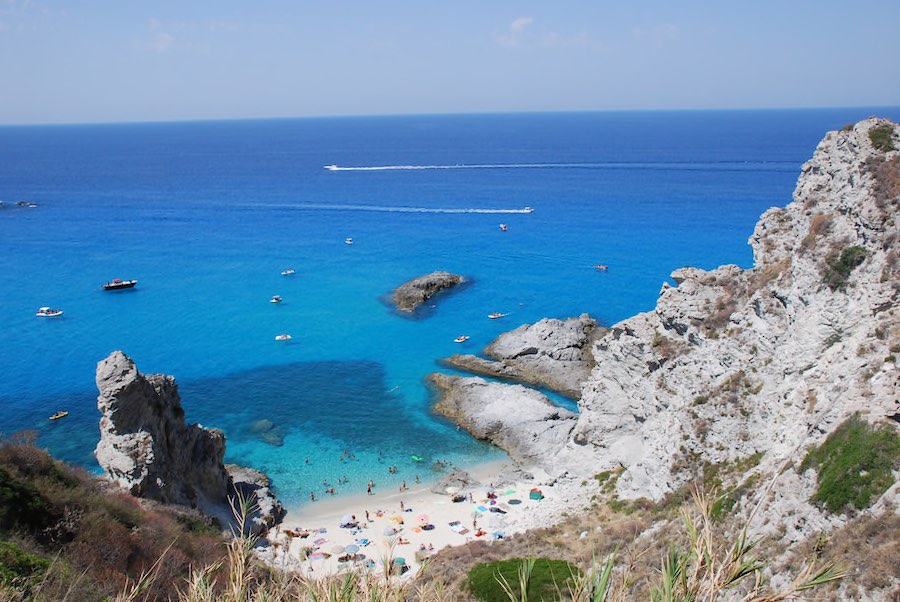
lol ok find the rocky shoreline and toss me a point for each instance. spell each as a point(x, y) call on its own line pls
point(552, 354)
point(732, 365)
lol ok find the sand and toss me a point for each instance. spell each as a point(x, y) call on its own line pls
point(311, 540)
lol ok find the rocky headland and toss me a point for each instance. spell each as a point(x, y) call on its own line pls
point(147, 448)
point(410, 295)
point(554, 354)
point(738, 367)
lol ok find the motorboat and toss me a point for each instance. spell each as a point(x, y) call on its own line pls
point(288, 272)
point(283, 337)
point(119, 284)
point(528, 210)
point(461, 339)
point(503, 227)
point(331, 167)
point(48, 312)
point(275, 299)
point(601, 267)
point(59, 414)
point(496, 315)
point(348, 241)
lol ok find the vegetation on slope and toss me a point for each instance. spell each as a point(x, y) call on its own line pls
point(854, 464)
point(63, 533)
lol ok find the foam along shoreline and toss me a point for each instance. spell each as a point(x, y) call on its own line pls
point(311, 541)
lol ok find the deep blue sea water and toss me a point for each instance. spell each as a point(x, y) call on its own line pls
point(206, 215)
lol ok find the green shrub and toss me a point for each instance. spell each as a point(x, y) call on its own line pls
point(547, 579)
point(18, 568)
point(882, 138)
point(854, 464)
point(838, 268)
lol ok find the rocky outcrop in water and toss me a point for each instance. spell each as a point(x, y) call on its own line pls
point(555, 354)
point(410, 295)
point(147, 448)
point(517, 419)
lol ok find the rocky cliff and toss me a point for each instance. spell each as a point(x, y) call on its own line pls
point(147, 448)
point(762, 363)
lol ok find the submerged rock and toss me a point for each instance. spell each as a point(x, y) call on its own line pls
point(147, 448)
point(410, 295)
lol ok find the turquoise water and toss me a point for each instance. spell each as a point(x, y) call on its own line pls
point(206, 215)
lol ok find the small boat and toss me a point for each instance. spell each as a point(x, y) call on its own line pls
point(288, 272)
point(601, 267)
point(331, 167)
point(528, 210)
point(496, 315)
point(461, 339)
point(48, 312)
point(275, 299)
point(59, 414)
point(503, 227)
point(283, 337)
point(119, 284)
point(348, 241)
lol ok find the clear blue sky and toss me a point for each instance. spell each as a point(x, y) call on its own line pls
point(124, 60)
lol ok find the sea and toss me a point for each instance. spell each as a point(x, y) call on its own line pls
point(206, 215)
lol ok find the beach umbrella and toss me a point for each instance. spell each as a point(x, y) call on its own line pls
point(337, 550)
point(422, 519)
point(351, 549)
point(399, 560)
point(390, 531)
point(452, 490)
point(346, 519)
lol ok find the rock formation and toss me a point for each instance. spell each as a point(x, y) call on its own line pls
point(551, 353)
point(517, 419)
point(410, 295)
point(146, 447)
point(760, 363)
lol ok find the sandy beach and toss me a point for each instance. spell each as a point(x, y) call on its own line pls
point(402, 529)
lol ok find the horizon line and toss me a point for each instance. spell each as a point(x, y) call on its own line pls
point(440, 114)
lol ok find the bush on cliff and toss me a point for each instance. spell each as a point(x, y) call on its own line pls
point(854, 464)
point(838, 267)
point(882, 138)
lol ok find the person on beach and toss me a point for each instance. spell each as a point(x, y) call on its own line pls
point(369, 488)
point(367, 517)
point(402, 509)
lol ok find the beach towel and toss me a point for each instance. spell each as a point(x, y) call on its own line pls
point(457, 528)
point(320, 541)
point(508, 492)
point(481, 509)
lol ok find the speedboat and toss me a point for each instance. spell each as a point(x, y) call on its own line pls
point(59, 414)
point(275, 299)
point(503, 227)
point(119, 284)
point(331, 167)
point(288, 271)
point(461, 339)
point(528, 210)
point(283, 337)
point(48, 312)
point(496, 315)
point(348, 240)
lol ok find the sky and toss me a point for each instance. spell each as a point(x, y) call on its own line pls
point(82, 61)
